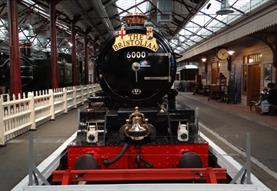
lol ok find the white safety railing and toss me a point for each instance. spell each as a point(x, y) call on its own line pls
point(18, 115)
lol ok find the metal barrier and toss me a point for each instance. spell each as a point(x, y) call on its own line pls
point(18, 115)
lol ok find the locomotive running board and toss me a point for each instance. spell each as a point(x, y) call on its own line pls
point(50, 164)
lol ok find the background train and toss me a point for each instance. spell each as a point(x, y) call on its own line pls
point(186, 78)
point(36, 69)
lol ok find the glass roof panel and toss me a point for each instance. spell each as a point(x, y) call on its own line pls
point(192, 27)
point(142, 6)
point(185, 32)
point(199, 19)
point(206, 21)
point(215, 25)
point(204, 31)
point(181, 38)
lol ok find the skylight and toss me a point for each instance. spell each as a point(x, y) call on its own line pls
point(131, 6)
point(206, 22)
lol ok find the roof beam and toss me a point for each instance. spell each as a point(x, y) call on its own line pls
point(255, 21)
point(126, 10)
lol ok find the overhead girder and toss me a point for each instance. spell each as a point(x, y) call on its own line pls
point(168, 30)
point(84, 15)
point(101, 11)
point(191, 9)
point(65, 18)
point(126, 10)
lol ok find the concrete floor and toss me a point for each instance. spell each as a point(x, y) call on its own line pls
point(48, 137)
point(223, 122)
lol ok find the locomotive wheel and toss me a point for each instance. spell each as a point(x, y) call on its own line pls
point(86, 161)
point(190, 160)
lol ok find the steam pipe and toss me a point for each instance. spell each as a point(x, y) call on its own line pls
point(101, 11)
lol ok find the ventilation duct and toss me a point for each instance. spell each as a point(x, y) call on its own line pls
point(225, 8)
point(165, 9)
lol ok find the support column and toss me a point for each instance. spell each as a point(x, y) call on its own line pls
point(94, 66)
point(274, 55)
point(54, 54)
point(94, 73)
point(73, 54)
point(86, 58)
point(15, 76)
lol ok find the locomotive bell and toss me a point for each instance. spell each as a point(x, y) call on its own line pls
point(137, 127)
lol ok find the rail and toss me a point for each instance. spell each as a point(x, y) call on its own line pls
point(27, 111)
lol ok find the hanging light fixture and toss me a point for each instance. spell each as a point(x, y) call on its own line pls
point(225, 8)
point(231, 52)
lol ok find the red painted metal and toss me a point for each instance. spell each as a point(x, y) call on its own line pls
point(160, 156)
point(164, 160)
point(207, 175)
point(54, 54)
point(15, 77)
point(73, 54)
point(86, 58)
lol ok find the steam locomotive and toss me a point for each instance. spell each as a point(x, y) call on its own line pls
point(35, 68)
point(132, 131)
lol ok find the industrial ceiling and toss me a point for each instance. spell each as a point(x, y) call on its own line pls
point(100, 18)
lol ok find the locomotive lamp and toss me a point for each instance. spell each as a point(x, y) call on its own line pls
point(183, 132)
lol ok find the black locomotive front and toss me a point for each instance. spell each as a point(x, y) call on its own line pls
point(135, 68)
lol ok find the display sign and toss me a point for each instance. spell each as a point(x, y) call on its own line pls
point(124, 40)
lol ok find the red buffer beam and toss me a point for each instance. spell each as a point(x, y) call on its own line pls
point(208, 175)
